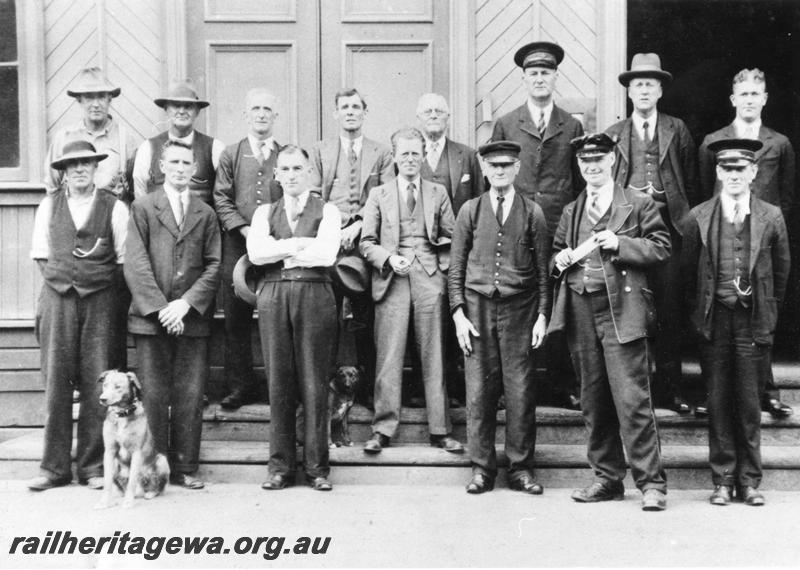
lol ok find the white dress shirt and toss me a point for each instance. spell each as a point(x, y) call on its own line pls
point(433, 151)
point(178, 201)
point(508, 199)
point(264, 151)
point(537, 111)
point(357, 143)
point(605, 195)
point(638, 123)
point(728, 204)
point(402, 184)
point(745, 130)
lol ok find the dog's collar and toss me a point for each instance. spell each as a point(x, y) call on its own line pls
point(125, 412)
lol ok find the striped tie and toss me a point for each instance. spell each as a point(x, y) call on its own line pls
point(593, 211)
point(541, 124)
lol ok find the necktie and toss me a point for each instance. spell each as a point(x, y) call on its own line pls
point(540, 125)
point(411, 202)
point(262, 150)
point(499, 212)
point(432, 148)
point(181, 212)
point(738, 217)
point(593, 212)
point(351, 152)
point(295, 202)
point(645, 127)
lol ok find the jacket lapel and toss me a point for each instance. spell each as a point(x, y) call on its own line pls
point(454, 159)
point(556, 124)
point(665, 134)
point(758, 226)
point(765, 136)
point(708, 227)
point(164, 213)
point(392, 199)
point(624, 142)
point(620, 210)
point(426, 197)
point(369, 155)
point(574, 226)
point(329, 155)
point(192, 217)
point(526, 122)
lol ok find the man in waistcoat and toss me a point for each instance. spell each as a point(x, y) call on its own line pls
point(182, 105)
point(606, 242)
point(655, 154)
point(244, 181)
point(775, 177)
point(737, 267)
point(406, 239)
point(79, 243)
point(296, 240)
point(172, 269)
point(500, 296)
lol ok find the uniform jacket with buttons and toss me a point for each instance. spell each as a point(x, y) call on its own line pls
point(768, 271)
point(643, 243)
point(163, 263)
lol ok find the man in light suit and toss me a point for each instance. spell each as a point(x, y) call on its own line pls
point(775, 178)
point(406, 239)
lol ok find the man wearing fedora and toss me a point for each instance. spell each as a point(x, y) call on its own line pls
point(94, 93)
point(775, 177)
point(548, 174)
point(606, 241)
point(736, 270)
point(500, 298)
point(79, 243)
point(655, 154)
point(406, 239)
point(182, 105)
point(244, 181)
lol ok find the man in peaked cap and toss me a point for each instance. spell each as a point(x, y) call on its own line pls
point(94, 92)
point(655, 154)
point(500, 298)
point(182, 106)
point(606, 241)
point(736, 268)
point(548, 173)
point(79, 243)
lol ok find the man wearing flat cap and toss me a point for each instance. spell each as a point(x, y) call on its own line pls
point(94, 92)
point(79, 243)
point(606, 242)
point(548, 173)
point(500, 298)
point(736, 268)
point(655, 154)
point(182, 106)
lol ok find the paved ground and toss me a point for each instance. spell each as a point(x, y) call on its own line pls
point(372, 525)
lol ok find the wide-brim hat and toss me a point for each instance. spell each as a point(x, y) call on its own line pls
point(645, 65)
point(92, 80)
point(351, 272)
point(539, 54)
point(245, 280)
point(182, 91)
point(77, 150)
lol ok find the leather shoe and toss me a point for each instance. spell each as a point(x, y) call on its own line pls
point(654, 500)
point(679, 405)
point(44, 483)
point(276, 482)
point(186, 481)
point(480, 483)
point(574, 402)
point(777, 409)
point(597, 492)
point(701, 410)
point(721, 495)
point(236, 400)
point(447, 443)
point(376, 443)
point(750, 496)
point(526, 483)
point(320, 483)
point(95, 483)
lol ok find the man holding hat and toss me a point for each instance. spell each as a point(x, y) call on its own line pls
point(79, 243)
point(94, 92)
point(500, 298)
point(655, 154)
point(607, 241)
point(738, 250)
point(182, 105)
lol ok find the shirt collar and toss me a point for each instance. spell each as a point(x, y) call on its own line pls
point(746, 130)
point(188, 139)
point(356, 142)
point(728, 204)
point(301, 199)
point(508, 197)
point(176, 197)
point(638, 122)
point(606, 190)
point(269, 142)
point(104, 131)
point(402, 183)
point(82, 199)
point(536, 111)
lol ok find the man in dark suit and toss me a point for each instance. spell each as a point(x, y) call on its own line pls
point(738, 249)
point(606, 242)
point(775, 179)
point(500, 294)
point(244, 181)
point(655, 154)
point(172, 269)
point(548, 174)
point(406, 240)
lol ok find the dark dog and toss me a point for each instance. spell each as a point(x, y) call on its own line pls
point(130, 460)
point(341, 394)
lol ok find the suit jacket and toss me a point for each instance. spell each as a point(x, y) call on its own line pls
point(548, 172)
point(775, 180)
point(163, 263)
point(677, 164)
point(769, 266)
point(643, 243)
point(466, 176)
point(377, 167)
point(380, 234)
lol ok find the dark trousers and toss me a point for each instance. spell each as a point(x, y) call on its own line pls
point(78, 338)
point(615, 395)
point(501, 360)
point(297, 320)
point(238, 321)
point(173, 371)
point(736, 370)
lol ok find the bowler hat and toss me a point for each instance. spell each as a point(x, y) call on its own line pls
point(92, 80)
point(182, 91)
point(539, 54)
point(645, 65)
point(351, 272)
point(245, 280)
point(74, 150)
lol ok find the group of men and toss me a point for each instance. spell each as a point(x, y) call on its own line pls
point(581, 244)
